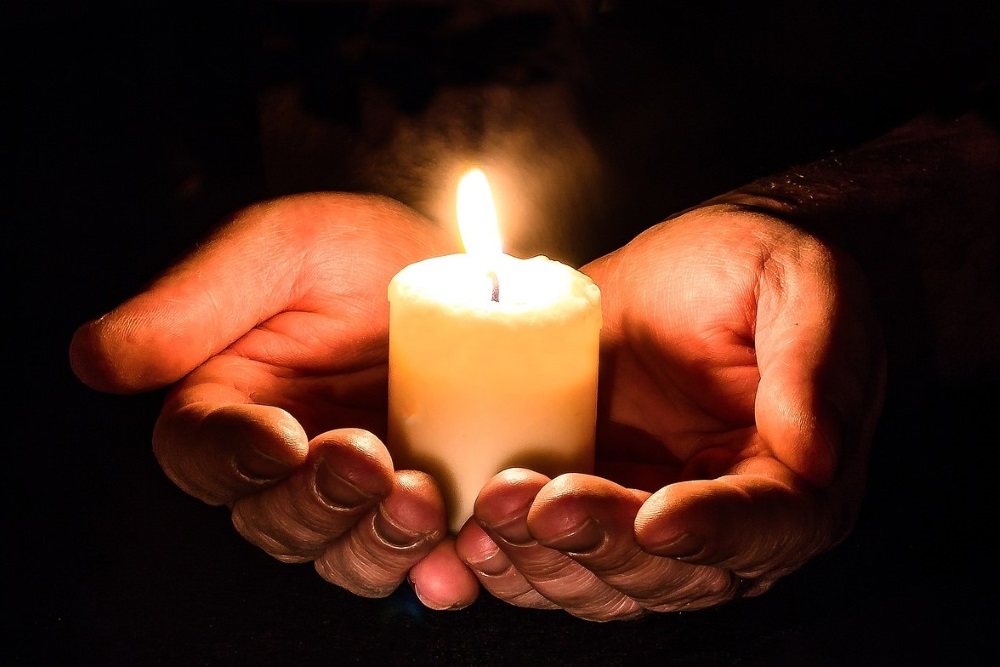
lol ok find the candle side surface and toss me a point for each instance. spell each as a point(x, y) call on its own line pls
point(477, 386)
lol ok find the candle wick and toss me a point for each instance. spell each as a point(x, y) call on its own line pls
point(496, 286)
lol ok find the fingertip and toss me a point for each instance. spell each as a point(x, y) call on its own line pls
point(567, 484)
point(679, 545)
point(577, 512)
point(477, 550)
point(218, 453)
point(419, 484)
point(90, 361)
point(134, 348)
point(361, 441)
point(354, 460)
point(390, 540)
point(472, 544)
point(270, 442)
point(415, 503)
point(567, 501)
point(660, 525)
point(508, 495)
point(441, 581)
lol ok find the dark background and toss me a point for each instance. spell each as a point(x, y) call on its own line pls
point(136, 127)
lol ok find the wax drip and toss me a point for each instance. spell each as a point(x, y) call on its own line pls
point(496, 286)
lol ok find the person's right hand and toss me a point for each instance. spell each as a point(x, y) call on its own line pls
point(274, 336)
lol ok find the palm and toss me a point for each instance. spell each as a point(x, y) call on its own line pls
point(680, 368)
point(320, 350)
point(322, 358)
point(322, 391)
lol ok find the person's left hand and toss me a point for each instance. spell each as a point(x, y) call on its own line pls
point(741, 378)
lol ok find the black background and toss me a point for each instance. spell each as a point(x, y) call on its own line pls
point(135, 128)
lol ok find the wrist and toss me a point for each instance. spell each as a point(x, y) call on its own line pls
point(918, 210)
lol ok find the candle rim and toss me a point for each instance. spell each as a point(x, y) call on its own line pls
point(443, 282)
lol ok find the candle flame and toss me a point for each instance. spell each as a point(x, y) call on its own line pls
point(477, 216)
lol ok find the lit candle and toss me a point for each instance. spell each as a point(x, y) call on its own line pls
point(492, 361)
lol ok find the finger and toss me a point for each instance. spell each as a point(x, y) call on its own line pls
point(502, 509)
point(194, 309)
point(591, 520)
point(441, 581)
point(495, 571)
point(373, 558)
point(268, 256)
point(218, 451)
point(817, 357)
point(760, 523)
point(348, 471)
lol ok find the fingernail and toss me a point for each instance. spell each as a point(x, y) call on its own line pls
point(491, 562)
point(256, 465)
point(583, 538)
point(684, 545)
point(514, 531)
point(436, 606)
point(337, 490)
point(391, 533)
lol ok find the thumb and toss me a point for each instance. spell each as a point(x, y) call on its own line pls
point(239, 277)
point(255, 266)
point(806, 341)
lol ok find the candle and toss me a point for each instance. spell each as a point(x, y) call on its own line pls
point(492, 361)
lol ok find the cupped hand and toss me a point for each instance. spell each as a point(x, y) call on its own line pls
point(273, 335)
point(742, 376)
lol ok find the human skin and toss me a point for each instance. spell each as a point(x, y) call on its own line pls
point(742, 379)
point(277, 407)
point(742, 375)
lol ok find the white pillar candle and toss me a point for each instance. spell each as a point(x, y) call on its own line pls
point(492, 364)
